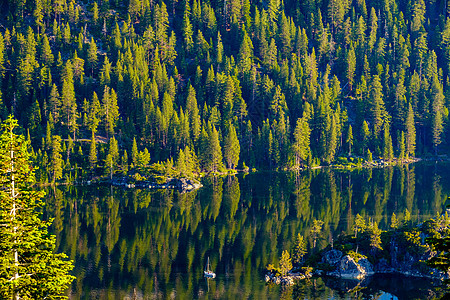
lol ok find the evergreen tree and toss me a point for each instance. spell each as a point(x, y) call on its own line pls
point(402, 148)
point(360, 225)
point(349, 140)
point(112, 159)
point(316, 229)
point(109, 110)
point(388, 151)
point(92, 57)
point(134, 153)
point(410, 133)
point(375, 236)
point(93, 152)
point(231, 147)
point(301, 145)
point(213, 150)
point(299, 249)
point(351, 67)
point(56, 161)
point(285, 263)
point(377, 110)
point(193, 113)
point(29, 268)
point(143, 158)
point(395, 223)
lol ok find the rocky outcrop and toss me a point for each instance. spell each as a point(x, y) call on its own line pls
point(288, 279)
point(181, 184)
point(346, 267)
point(366, 266)
point(332, 257)
point(187, 185)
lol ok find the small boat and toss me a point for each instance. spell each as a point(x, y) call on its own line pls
point(207, 272)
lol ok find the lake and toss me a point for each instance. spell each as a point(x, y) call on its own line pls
point(147, 244)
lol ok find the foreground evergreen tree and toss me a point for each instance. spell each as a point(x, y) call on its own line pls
point(28, 267)
point(285, 263)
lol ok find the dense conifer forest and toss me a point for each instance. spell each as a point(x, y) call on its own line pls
point(104, 86)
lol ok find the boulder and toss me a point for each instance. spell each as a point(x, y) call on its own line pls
point(332, 257)
point(366, 266)
point(349, 269)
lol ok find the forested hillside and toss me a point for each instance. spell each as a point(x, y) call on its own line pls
point(102, 86)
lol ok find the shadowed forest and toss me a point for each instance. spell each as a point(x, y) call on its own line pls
point(104, 86)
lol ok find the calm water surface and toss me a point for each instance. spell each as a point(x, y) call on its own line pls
point(141, 244)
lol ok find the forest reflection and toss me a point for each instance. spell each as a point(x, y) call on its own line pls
point(154, 244)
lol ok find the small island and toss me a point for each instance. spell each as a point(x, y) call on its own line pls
point(416, 251)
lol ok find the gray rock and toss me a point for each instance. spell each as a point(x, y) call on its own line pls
point(349, 269)
point(332, 257)
point(382, 266)
point(366, 266)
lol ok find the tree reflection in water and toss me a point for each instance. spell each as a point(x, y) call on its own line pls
point(154, 244)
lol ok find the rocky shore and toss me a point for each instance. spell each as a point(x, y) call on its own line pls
point(181, 184)
point(346, 267)
point(400, 251)
point(289, 279)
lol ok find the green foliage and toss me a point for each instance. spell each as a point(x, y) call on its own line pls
point(285, 263)
point(360, 225)
point(28, 267)
point(299, 249)
point(316, 81)
point(356, 256)
point(316, 229)
point(395, 223)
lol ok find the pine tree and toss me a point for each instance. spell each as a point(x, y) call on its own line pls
point(369, 156)
point(299, 249)
point(301, 145)
point(377, 110)
point(187, 29)
point(93, 117)
point(365, 134)
point(231, 147)
point(360, 225)
point(410, 133)
point(92, 57)
point(29, 268)
point(134, 152)
point(401, 146)
point(285, 263)
point(112, 159)
point(215, 150)
point(93, 152)
point(69, 106)
point(351, 67)
point(56, 161)
point(375, 236)
point(349, 140)
point(395, 223)
point(143, 158)
point(109, 110)
point(388, 152)
point(124, 162)
point(316, 229)
point(193, 113)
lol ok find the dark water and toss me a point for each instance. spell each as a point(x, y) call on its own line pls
point(141, 244)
